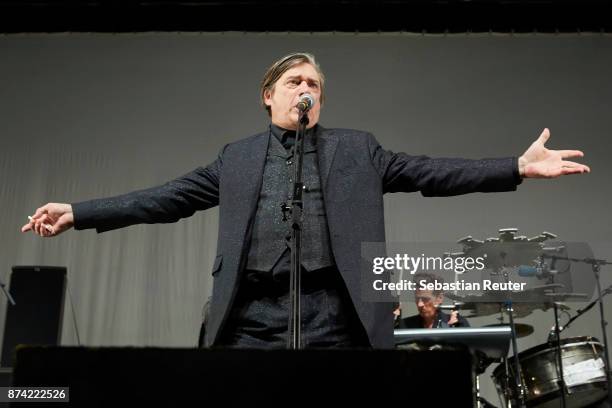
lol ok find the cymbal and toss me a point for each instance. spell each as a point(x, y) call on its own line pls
point(506, 250)
point(497, 254)
point(522, 329)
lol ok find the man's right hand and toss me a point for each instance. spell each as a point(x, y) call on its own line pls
point(50, 220)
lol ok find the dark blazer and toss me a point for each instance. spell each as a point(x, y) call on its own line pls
point(355, 173)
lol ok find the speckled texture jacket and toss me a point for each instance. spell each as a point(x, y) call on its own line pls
point(355, 172)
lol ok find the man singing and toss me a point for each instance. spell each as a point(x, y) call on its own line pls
point(346, 172)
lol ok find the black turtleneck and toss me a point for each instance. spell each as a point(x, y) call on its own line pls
point(287, 137)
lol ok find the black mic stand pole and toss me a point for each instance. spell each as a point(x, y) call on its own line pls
point(580, 312)
point(518, 383)
point(519, 389)
point(296, 207)
point(561, 379)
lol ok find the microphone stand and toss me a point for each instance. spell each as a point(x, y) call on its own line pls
point(561, 380)
point(596, 265)
point(518, 382)
point(580, 312)
point(296, 207)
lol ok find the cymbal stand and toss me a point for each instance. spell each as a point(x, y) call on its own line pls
point(557, 331)
point(518, 379)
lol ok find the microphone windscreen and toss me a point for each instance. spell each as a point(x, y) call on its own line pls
point(526, 271)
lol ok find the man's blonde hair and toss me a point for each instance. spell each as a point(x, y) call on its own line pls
point(281, 66)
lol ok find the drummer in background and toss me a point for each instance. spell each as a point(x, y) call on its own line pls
point(427, 301)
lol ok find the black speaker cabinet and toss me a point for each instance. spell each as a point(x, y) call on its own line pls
point(36, 318)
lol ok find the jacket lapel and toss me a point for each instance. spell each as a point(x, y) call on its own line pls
point(246, 175)
point(252, 169)
point(327, 142)
point(241, 181)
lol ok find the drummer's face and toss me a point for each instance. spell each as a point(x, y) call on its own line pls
point(427, 302)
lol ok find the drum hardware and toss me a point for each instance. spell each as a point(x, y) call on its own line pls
point(561, 377)
point(550, 273)
point(596, 268)
point(519, 386)
point(584, 375)
point(502, 254)
point(508, 251)
point(573, 372)
point(555, 337)
point(580, 312)
point(505, 306)
point(589, 379)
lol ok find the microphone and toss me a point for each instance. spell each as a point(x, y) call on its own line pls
point(305, 103)
point(528, 271)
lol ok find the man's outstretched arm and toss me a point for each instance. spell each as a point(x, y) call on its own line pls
point(451, 176)
point(176, 199)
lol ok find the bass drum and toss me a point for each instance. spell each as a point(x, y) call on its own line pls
point(583, 371)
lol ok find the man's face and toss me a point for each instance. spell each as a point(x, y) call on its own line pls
point(296, 81)
point(426, 303)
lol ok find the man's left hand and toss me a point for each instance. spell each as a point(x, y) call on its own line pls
point(540, 162)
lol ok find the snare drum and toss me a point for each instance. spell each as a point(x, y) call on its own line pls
point(583, 372)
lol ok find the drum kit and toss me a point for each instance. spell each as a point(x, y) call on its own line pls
point(584, 376)
point(569, 373)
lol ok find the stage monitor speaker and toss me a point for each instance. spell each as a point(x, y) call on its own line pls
point(36, 318)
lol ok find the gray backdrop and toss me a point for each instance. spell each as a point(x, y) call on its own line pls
point(92, 115)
